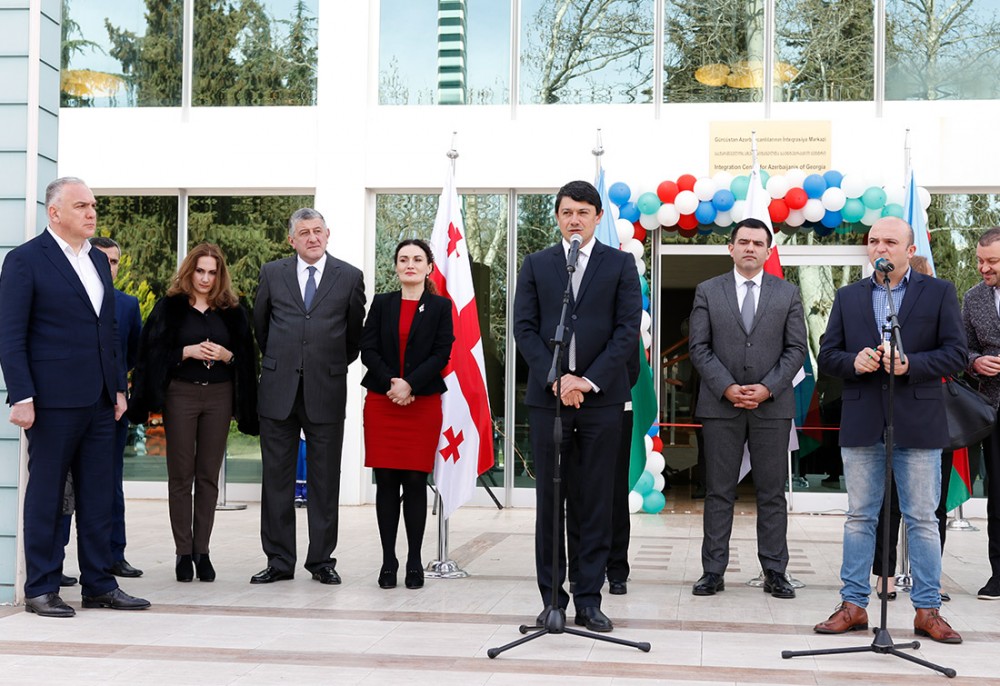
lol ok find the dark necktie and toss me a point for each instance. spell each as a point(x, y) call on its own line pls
point(748, 307)
point(310, 288)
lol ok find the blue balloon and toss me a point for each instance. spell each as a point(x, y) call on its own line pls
point(645, 483)
point(707, 230)
point(653, 502)
point(831, 220)
point(723, 200)
point(705, 212)
point(619, 193)
point(814, 185)
point(833, 178)
point(629, 212)
point(654, 430)
point(645, 303)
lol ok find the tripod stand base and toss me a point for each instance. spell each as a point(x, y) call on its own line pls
point(882, 645)
point(960, 524)
point(554, 622)
point(444, 569)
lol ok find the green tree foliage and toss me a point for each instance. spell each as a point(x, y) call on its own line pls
point(146, 229)
point(73, 43)
point(151, 64)
point(956, 223)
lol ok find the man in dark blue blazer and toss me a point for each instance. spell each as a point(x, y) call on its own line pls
point(602, 330)
point(66, 387)
point(855, 349)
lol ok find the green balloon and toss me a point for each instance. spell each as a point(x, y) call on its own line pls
point(873, 198)
point(893, 210)
point(644, 285)
point(645, 484)
point(648, 203)
point(739, 187)
point(853, 210)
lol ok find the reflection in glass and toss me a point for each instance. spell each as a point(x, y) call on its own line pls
point(576, 51)
point(824, 50)
point(410, 53)
point(956, 222)
point(942, 51)
point(118, 54)
point(713, 51)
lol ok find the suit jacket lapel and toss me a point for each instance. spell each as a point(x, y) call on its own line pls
point(913, 290)
point(62, 265)
point(109, 289)
point(865, 303)
point(291, 279)
point(558, 261)
point(330, 275)
point(418, 316)
point(728, 285)
point(593, 264)
point(395, 304)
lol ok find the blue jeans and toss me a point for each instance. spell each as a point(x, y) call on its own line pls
point(917, 473)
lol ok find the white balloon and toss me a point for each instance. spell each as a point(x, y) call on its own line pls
point(647, 441)
point(853, 185)
point(834, 199)
point(795, 218)
point(634, 247)
point(723, 180)
point(705, 188)
point(667, 215)
point(795, 177)
point(614, 210)
point(777, 186)
point(814, 210)
point(895, 194)
point(640, 267)
point(649, 221)
point(738, 210)
point(871, 216)
point(655, 462)
point(625, 230)
point(925, 197)
point(658, 482)
point(634, 502)
point(647, 338)
point(646, 322)
point(723, 218)
point(686, 202)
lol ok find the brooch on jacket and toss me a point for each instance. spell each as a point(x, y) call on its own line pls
point(420, 309)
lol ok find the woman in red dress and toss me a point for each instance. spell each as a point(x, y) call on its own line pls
point(405, 345)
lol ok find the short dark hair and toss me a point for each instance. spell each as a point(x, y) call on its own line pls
point(105, 242)
point(581, 191)
point(751, 223)
point(990, 236)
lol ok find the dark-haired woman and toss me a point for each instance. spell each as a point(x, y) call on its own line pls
point(197, 365)
point(405, 345)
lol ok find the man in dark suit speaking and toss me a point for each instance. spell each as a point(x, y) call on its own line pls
point(602, 330)
point(66, 385)
point(308, 317)
point(748, 340)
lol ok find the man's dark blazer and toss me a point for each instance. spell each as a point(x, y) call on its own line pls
point(320, 343)
point(129, 326)
point(982, 328)
point(933, 341)
point(605, 314)
point(428, 345)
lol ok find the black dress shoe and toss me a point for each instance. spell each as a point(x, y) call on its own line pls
point(593, 619)
point(327, 575)
point(270, 575)
point(123, 568)
point(617, 588)
point(48, 605)
point(184, 569)
point(414, 578)
point(387, 578)
point(709, 584)
point(115, 599)
point(203, 567)
point(66, 581)
point(776, 583)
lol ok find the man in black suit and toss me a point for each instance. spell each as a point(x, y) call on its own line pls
point(308, 317)
point(602, 330)
point(66, 386)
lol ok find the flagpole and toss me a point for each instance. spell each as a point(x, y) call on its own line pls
point(597, 152)
point(443, 567)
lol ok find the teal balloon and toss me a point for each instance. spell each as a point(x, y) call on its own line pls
point(893, 210)
point(764, 176)
point(739, 187)
point(645, 484)
point(653, 502)
point(853, 210)
point(644, 285)
point(648, 203)
point(873, 198)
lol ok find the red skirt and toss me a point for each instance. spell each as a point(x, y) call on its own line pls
point(402, 437)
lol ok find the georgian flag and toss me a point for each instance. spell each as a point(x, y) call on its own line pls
point(465, 449)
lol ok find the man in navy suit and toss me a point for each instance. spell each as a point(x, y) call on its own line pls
point(602, 330)
point(66, 387)
point(856, 349)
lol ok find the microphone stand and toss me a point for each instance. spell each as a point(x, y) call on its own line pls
point(883, 644)
point(553, 617)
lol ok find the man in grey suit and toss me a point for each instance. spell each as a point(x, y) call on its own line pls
point(982, 328)
point(748, 340)
point(308, 317)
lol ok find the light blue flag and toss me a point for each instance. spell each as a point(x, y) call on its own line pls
point(606, 232)
point(913, 214)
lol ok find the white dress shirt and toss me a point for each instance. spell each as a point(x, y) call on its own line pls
point(302, 271)
point(84, 268)
point(741, 289)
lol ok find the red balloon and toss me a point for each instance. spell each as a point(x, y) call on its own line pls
point(686, 182)
point(778, 210)
point(667, 191)
point(657, 444)
point(795, 199)
point(688, 222)
point(640, 232)
point(688, 233)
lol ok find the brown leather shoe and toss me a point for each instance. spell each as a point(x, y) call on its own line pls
point(847, 617)
point(929, 622)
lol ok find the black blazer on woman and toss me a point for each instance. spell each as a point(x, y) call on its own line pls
point(160, 352)
point(428, 346)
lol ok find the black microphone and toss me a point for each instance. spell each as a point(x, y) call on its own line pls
point(574, 252)
point(883, 265)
